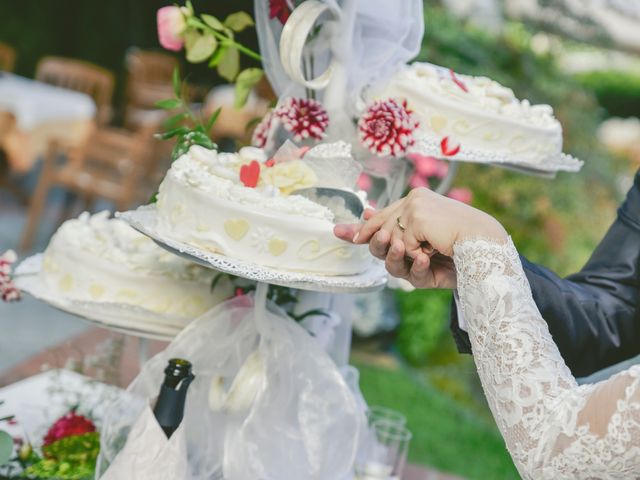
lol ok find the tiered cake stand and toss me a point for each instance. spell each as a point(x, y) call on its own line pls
point(147, 325)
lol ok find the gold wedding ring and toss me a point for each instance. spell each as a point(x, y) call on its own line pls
point(400, 225)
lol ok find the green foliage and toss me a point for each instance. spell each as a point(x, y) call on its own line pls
point(424, 315)
point(70, 458)
point(443, 431)
point(207, 38)
point(6, 447)
point(617, 91)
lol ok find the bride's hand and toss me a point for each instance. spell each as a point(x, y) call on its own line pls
point(416, 234)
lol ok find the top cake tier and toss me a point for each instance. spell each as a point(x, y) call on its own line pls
point(475, 119)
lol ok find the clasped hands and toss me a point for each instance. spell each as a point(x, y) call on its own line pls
point(416, 234)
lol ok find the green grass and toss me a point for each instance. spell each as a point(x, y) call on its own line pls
point(446, 435)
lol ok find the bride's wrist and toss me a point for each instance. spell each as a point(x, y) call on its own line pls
point(486, 228)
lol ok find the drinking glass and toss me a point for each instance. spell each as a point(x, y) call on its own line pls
point(377, 412)
point(386, 451)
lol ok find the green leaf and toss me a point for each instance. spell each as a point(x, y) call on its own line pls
point(200, 46)
point(173, 132)
point(252, 123)
point(180, 148)
point(202, 139)
point(173, 121)
point(245, 83)
point(213, 22)
point(217, 56)
point(189, 7)
point(239, 21)
point(169, 103)
point(6, 447)
point(212, 119)
point(175, 80)
point(154, 198)
point(229, 64)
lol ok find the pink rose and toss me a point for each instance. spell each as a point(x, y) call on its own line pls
point(463, 195)
point(418, 181)
point(428, 166)
point(171, 24)
point(364, 182)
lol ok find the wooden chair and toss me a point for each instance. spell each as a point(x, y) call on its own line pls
point(149, 80)
point(112, 165)
point(7, 57)
point(82, 76)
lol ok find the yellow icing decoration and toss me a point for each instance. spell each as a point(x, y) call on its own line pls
point(66, 284)
point(289, 176)
point(310, 250)
point(49, 265)
point(277, 247)
point(162, 306)
point(438, 123)
point(236, 229)
point(96, 290)
point(125, 293)
point(203, 228)
point(193, 306)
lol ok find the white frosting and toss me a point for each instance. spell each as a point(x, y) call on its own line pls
point(199, 205)
point(95, 258)
point(217, 175)
point(483, 115)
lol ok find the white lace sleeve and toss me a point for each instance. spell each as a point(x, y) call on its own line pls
point(553, 428)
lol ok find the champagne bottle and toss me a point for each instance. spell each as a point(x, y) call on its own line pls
point(169, 408)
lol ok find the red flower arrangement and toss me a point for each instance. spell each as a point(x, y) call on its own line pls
point(279, 9)
point(69, 425)
point(8, 291)
point(387, 128)
point(303, 117)
point(263, 132)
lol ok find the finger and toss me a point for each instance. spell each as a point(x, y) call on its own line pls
point(395, 262)
point(379, 244)
point(368, 213)
point(375, 222)
point(346, 231)
point(412, 243)
point(420, 274)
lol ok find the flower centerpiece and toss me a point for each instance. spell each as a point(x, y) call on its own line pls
point(68, 450)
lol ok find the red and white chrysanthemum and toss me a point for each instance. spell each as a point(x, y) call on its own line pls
point(303, 118)
point(8, 291)
point(387, 128)
point(263, 133)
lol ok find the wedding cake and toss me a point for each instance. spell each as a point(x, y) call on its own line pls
point(241, 205)
point(98, 259)
point(474, 119)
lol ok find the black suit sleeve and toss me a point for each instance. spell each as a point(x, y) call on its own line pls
point(592, 315)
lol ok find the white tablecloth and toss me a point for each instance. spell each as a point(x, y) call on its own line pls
point(34, 103)
point(40, 400)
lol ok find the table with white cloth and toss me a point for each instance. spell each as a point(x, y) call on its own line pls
point(33, 113)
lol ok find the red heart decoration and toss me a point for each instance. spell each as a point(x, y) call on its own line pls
point(250, 174)
point(449, 147)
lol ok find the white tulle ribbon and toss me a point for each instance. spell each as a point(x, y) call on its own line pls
point(294, 39)
point(366, 40)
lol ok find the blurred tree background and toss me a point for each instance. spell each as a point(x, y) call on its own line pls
point(554, 222)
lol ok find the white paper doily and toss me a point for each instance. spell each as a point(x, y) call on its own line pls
point(144, 220)
point(562, 162)
point(119, 317)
